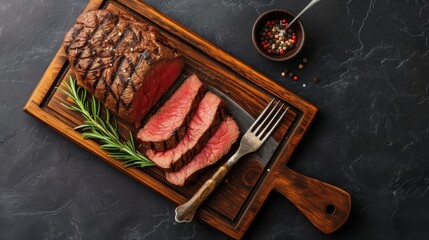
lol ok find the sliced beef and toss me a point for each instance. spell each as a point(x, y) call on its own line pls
point(168, 126)
point(205, 122)
point(217, 146)
point(122, 61)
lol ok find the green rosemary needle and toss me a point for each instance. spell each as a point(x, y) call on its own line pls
point(105, 131)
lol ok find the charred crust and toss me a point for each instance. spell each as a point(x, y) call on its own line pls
point(92, 32)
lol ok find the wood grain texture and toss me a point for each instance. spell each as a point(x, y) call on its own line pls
point(236, 201)
point(326, 206)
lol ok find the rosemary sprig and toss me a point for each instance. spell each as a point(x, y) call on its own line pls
point(105, 131)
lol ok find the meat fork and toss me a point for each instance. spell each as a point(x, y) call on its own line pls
point(251, 141)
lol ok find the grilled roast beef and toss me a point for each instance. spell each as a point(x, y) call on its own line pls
point(203, 125)
point(217, 146)
point(122, 61)
point(168, 126)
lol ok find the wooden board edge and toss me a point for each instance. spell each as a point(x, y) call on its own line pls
point(289, 147)
point(32, 107)
point(48, 78)
point(205, 216)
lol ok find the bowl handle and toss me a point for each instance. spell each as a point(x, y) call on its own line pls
point(326, 206)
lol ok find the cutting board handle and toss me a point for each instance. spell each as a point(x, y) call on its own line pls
point(326, 206)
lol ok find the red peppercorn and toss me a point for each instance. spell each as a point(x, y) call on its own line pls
point(273, 39)
point(295, 78)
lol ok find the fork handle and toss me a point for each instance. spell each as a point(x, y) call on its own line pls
point(186, 212)
point(326, 206)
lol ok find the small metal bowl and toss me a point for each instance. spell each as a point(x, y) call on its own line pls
point(278, 14)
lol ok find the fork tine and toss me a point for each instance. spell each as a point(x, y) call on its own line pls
point(265, 119)
point(275, 125)
point(269, 118)
point(260, 115)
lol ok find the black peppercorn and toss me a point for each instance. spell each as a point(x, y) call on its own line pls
point(279, 39)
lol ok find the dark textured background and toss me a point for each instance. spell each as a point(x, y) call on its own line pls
point(369, 138)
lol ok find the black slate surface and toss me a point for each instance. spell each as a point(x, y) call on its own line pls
point(369, 138)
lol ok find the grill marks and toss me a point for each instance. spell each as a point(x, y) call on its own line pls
point(101, 75)
point(76, 32)
point(95, 53)
point(108, 86)
point(117, 77)
point(125, 83)
point(91, 62)
point(89, 37)
point(122, 36)
point(88, 45)
point(106, 52)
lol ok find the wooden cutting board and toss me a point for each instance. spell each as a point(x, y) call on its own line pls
point(235, 203)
